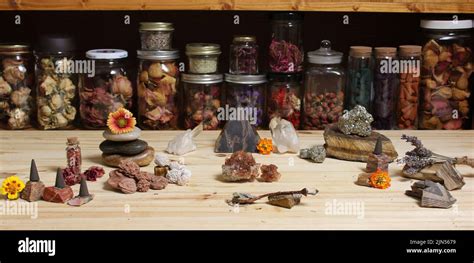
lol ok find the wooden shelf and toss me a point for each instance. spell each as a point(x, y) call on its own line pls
point(393, 6)
point(201, 204)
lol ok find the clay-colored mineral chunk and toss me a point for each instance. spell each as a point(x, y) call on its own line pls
point(240, 166)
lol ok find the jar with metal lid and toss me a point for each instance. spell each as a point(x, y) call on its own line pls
point(57, 80)
point(446, 67)
point(359, 82)
point(324, 88)
point(16, 87)
point(156, 35)
point(284, 98)
point(385, 88)
point(105, 91)
point(245, 95)
point(203, 97)
point(286, 49)
point(244, 55)
point(409, 92)
point(158, 89)
point(203, 58)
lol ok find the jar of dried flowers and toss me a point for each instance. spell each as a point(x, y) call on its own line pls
point(202, 96)
point(16, 85)
point(158, 89)
point(57, 80)
point(324, 88)
point(108, 90)
point(243, 55)
point(156, 35)
point(284, 97)
point(286, 49)
point(446, 67)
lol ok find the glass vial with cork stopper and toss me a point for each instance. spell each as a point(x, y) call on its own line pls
point(409, 92)
point(359, 77)
point(73, 155)
point(385, 88)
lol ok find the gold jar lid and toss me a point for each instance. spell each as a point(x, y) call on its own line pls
point(382, 52)
point(409, 50)
point(203, 49)
point(360, 51)
point(156, 26)
point(244, 39)
point(14, 49)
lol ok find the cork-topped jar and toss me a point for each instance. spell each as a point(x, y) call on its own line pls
point(359, 77)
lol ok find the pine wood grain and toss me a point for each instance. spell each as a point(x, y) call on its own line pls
point(422, 6)
point(201, 204)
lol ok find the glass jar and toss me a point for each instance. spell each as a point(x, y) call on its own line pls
point(286, 49)
point(284, 98)
point(157, 89)
point(446, 68)
point(156, 35)
point(324, 88)
point(57, 80)
point(409, 94)
point(385, 88)
point(16, 85)
point(243, 55)
point(359, 77)
point(246, 95)
point(108, 90)
point(202, 97)
point(203, 57)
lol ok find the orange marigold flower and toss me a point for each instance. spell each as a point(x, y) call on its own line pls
point(121, 121)
point(265, 146)
point(380, 179)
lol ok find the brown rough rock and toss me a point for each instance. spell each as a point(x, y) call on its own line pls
point(57, 195)
point(143, 185)
point(127, 186)
point(33, 191)
point(158, 182)
point(240, 166)
point(270, 173)
point(142, 159)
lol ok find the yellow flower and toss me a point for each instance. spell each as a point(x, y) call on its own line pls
point(380, 179)
point(12, 186)
point(265, 146)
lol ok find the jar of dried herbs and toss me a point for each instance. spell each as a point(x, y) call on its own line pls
point(286, 49)
point(244, 55)
point(245, 94)
point(203, 97)
point(359, 82)
point(156, 35)
point(409, 92)
point(203, 57)
point(158, 89)
point(107, 90)
point(16, 87)
point(57, 79)
point(284, 97)
point(324, 88)
point(446, 67)
point(385, 88)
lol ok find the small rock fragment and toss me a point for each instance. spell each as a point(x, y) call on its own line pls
point(158, 182)
point(240, 166)
point(356, 121)
point(270, 173)
point(34, 188)
point(286, 201)
point(161, 160)
point(84, 197)
point(316, 153)
point(431, 194)
point(178, 174)
point(60, 193)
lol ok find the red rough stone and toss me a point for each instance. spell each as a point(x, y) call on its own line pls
point(33, 191)
point(270, 173)
point(57, 195)
point(240, 166)
point(158, 182)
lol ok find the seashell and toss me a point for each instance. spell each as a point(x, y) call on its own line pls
point(144, 76)
point(56, 102)
point(459, 94)
point(154, 71)
point(5, 88)
point(430, 59)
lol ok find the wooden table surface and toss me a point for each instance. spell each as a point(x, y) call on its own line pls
point(201, 204)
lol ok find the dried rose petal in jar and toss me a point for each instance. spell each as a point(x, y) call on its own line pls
point(157, 89)
point(284, 97)
point(156, 35)
point(203, 97)
point(324, 88)
point(244, 55)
